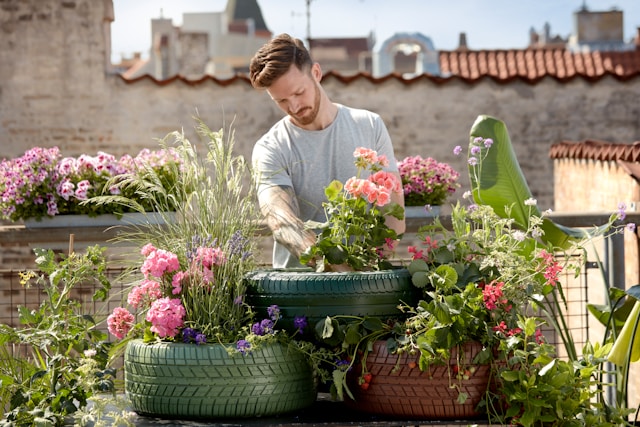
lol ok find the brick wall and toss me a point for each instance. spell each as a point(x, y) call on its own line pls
point(55, 90)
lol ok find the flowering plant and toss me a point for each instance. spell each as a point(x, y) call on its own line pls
point(355, 232)
point(190, 282)
point(493, 276)
point(42, 183)
point(426, 181)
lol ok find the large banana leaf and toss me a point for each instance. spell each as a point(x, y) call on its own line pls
point(499, 182)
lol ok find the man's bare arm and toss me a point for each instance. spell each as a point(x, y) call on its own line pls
point(281, 211)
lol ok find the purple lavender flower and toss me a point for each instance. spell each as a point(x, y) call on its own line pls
point(238, 300)
point(300, 322)
point(243, 346)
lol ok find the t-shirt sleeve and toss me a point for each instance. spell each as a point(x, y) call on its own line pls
point(383, 143)
point(269, 165)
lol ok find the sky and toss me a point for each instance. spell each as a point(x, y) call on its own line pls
point(488, 24)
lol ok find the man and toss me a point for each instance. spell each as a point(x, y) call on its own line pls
point(310, 147)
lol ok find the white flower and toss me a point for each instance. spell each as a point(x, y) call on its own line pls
point(90, 352)
point(519, 235)
point(466, 195)
point(531, 202)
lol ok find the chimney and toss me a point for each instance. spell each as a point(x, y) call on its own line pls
point(462, 43)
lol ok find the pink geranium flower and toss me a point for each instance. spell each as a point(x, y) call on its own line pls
point(166, 316)
point(120, 322)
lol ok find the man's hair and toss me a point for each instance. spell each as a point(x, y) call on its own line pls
point(274, 59)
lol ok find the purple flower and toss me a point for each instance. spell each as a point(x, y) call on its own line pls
point(472, 161)
point(238, 300)
point(300, 322)
point(243, 346)
point(457, 150)
point(631, 227)
point(274, 312)
point(257, 329)
point(475, 150)
point(201, 338)
point(267, 326)
point(488, 142)
point(188, 334)
point(622, 206)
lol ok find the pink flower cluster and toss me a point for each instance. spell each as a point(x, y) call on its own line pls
point(43, 183)
point(552, 268)
point(120, 322)
point(144, 294)
point(426, 181)
point(163, 276)
point(206, 259)
point(376, 189)
point(493, 296)
point(158, 262)
point(369, 159)
point(166, 316)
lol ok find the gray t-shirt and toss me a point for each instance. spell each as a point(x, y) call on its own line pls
point(309, 160)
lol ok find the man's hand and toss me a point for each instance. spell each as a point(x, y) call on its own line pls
point(280, 209)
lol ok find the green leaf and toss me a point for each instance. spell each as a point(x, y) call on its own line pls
point(547, 367)
point(420, 279)
point(500, 182)
point(352, 335)
point(510, 376)
point(333, 190)
point(418, 265)
point(373, 324)
point(447, 277)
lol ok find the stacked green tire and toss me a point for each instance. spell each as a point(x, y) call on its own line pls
point(190, 381)
point(318, 295)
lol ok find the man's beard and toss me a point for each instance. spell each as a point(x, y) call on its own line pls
point(313, 111)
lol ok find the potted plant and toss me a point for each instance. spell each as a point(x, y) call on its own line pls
point(41, 185)
point(352, 252)
point(427, 184)
point(192, 343)
point(473, 346)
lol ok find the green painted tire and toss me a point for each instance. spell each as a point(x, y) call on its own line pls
point(191, 381)
point(318, 295)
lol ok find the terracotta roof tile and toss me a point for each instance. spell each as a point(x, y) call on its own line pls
point(529, 65)
point(533, 64)
point(596, 150)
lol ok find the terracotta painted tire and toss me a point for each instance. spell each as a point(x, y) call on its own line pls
point(397, 388)
point(189, 381)
point(318, 295)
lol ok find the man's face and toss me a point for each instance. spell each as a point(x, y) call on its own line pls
point(297, 93)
